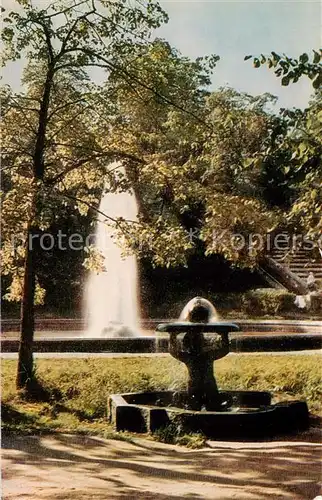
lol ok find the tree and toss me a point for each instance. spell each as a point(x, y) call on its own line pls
point(235, 209)
point(297, 134)
point(197, 153)
point(166, 129)
point(62, 41)
point(305, 143)
point(62, 133)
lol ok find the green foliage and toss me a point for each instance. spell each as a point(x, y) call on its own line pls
point(201, 178)
point(83, 127)
point(233, 201)
point(79, 33)
point(61, 155)
point(195, 159)
point(165, 129)
point(290, 70)
point(268, 301)
point(254, 304)
point(316, 303)
point(292, 153)
point(306, 145)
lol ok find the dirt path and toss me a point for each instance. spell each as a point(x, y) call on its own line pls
point(64, 467)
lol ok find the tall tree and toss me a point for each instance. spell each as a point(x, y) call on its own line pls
point(305, 144)
point(62, 41)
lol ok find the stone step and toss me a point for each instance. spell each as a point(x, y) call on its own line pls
point(290, 249)
point(305, 268)
point(294, 257)
point(290, 254)
point(314, 265)
point(300, 255)
point(293, 254)
point(302, 263)
point(302, 274)
point(296, 263)
point(305, 275)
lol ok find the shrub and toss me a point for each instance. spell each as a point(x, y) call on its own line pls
point(174, 433)
point(316, 303)
point(268, 301)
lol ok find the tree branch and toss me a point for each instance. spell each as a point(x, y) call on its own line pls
point(117, 222)
point(67, 123)
point(128, 77)
point(63, 106)
point(47, 37)
point(73, 26)
point(61, 12)
point(108, 154)
point(132, 77)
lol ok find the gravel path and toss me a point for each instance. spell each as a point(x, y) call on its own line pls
point(65, 467)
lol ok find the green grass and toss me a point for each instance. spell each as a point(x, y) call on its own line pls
point(78, 388)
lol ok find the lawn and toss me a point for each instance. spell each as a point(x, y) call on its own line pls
point(77, 389)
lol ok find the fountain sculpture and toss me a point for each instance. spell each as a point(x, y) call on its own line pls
point(197, 339)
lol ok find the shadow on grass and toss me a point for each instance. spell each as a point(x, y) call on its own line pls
point(26, 422)
point(49, 402)
point(10, 415)
point(37, 391)
point(17, 422)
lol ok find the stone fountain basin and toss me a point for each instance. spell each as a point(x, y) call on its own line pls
point(252, 415)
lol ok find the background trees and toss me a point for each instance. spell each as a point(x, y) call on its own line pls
point(306, 145)
point(197, 174)
point(297, 141)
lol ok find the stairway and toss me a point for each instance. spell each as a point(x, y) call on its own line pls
point(297, 262)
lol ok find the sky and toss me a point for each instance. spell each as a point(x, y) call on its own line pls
point(233, 29)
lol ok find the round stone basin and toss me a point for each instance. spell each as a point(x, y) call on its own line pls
point(252, 415)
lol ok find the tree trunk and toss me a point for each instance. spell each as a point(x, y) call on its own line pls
point(25, 372)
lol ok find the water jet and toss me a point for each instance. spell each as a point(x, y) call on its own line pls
point(112, 294)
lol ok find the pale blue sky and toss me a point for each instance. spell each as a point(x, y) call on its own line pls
point(233, 29)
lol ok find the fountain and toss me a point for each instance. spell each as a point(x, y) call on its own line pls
point(198, 339)
point(112, 295)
